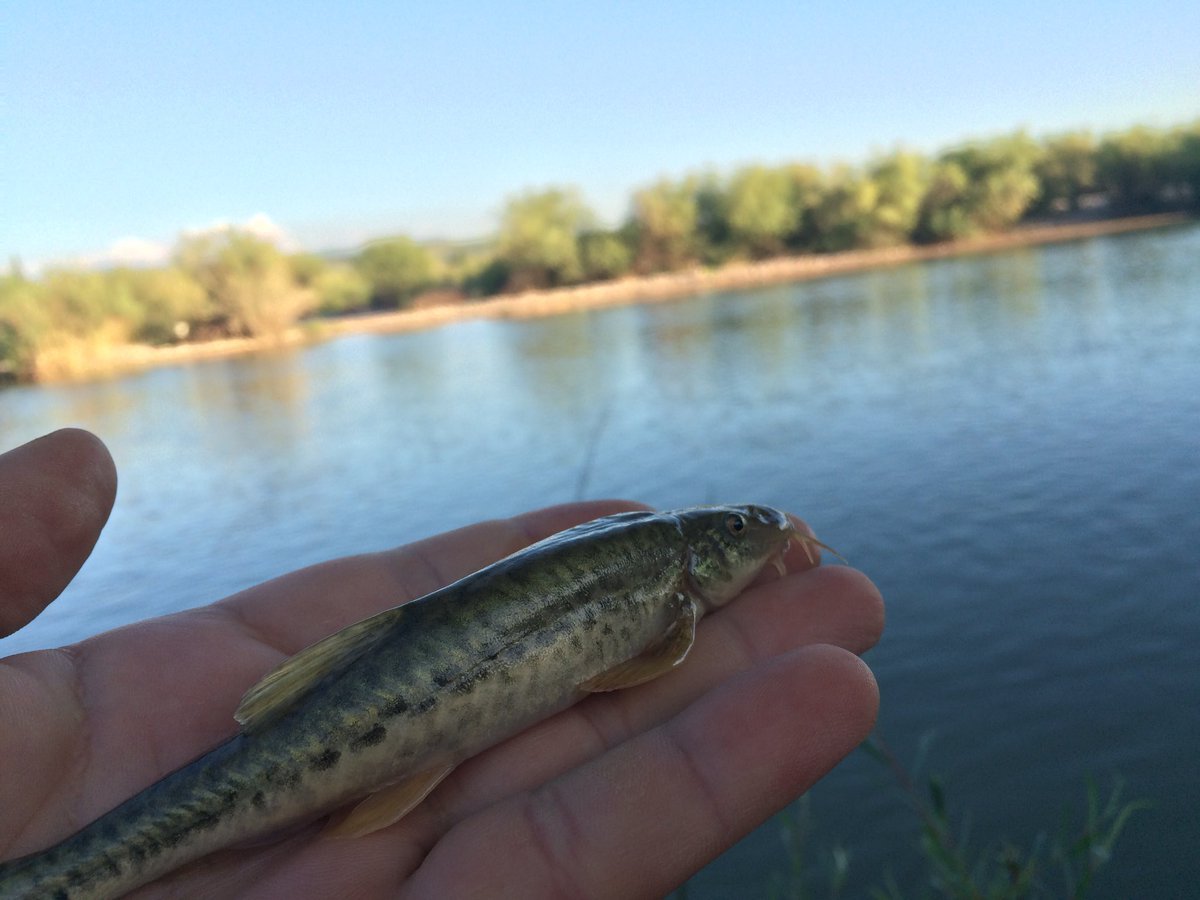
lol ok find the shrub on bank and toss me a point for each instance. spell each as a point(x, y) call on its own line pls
point(232, 283)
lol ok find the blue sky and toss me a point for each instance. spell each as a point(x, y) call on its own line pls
point(339, 122)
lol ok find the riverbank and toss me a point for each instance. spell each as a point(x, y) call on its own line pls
point(107, 360)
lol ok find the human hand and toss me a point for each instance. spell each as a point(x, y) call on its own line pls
point(623, 795)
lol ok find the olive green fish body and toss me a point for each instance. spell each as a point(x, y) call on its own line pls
point(418, 689)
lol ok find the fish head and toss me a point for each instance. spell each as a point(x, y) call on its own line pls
point(728, 546)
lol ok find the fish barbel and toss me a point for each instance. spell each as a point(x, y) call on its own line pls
point(385, 708)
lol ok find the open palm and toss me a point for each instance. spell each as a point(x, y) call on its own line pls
point(623, 795)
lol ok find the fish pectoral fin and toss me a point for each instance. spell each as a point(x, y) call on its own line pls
point(659, 658)
point(389, 805)
point(298, 674)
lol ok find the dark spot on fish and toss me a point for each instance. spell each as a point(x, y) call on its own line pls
point(137, 853)
point(576, 642)
point(442, 678)
point(327, 759)
point(427, 704)
point(206, 820)
point(290, 777)
point(626, 632)
point(111, 865)
point(607, 629)
point(369, 738)
point(395, 707)
point(258, 800)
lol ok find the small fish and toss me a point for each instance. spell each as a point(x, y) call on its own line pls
point(383, 710)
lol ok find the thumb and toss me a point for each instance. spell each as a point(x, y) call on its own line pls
point(55, 495)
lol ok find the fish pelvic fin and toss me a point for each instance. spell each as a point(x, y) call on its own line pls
point(390, 805)
point(293, 678)
point(660, 657)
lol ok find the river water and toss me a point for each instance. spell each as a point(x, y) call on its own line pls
point(1008, 444)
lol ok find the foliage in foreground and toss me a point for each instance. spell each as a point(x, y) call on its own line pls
point(1062, 865)
point(231, 283)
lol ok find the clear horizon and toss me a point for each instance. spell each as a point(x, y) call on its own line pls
point(127, 127)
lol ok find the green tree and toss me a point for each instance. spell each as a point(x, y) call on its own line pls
point(397, 269)
point(1003, 184)
point(980, 187)
point(250, 283)
point(338, 286)
point(23, 322)
point(1065, 171)
point(463, 260)
point(1187, 162)
point(806, 187)
point(307, 268)
point(539, 238)
point(944, 214)
point(341, 288)
point(80, 303)
point(844, 215)
point(56, 326)
point(761, 210)
point(874, 207)
point(604, 254)
point(1134, 167)
point(712, 242)
point(665, 217)
point(170, 302)
point(486, 277)
point(901, 179)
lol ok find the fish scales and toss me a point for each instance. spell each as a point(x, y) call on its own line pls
point(442, 678)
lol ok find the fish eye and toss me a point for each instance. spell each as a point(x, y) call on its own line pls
point(735, 523)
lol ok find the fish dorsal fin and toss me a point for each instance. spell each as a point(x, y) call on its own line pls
point(659, 658)
point(391, 804)
point(298, 674)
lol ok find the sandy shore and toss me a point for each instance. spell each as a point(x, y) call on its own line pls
point(645, 289)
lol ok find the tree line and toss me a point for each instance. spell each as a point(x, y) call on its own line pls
point(233, 283)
